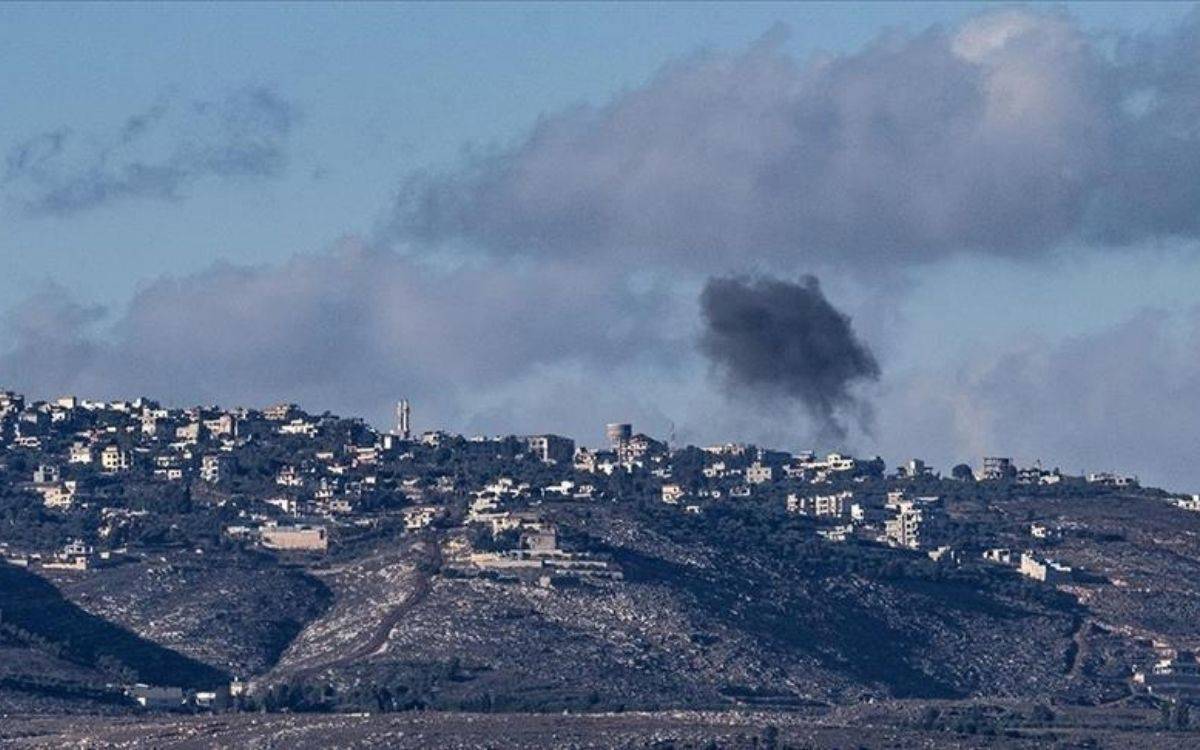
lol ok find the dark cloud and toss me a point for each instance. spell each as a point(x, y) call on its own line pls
point(158, 154)
point(1010, 133)
point(781, 339)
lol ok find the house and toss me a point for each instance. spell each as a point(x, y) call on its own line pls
point(299, 427)
point(672, 493)
point(1176, 676)
point(80, 453)
point(999, 555)
point(280, 412)
point(59, 495)
point(416, 519)
point(288, 505)
point(45, 474)
point(289, 476)
point(839, 533)
point(1110, 479)
point(1189, 503)
point(758, 473)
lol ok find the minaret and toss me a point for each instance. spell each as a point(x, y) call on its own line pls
point(403, 416)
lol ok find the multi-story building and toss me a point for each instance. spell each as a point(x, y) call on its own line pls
point(836, 505)
point(114, 459)
point(214, 467)
point(997, 467)
point(551, 449)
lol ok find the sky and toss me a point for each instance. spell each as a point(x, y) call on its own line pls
point(972, 227)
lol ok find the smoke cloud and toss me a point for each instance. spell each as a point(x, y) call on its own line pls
point(157, 154)
point(777, 338)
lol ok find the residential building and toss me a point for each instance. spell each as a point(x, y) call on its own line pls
point(551, 449)
point(115, 459)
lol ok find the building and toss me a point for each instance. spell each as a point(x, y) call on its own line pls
point(1109, 479)
point(81, 453)
point(914, 469)
point(1046, 571)
point(215, 467)
point(672, 493)
point(1189, 503)
point(758, 473)
point(59, 495)
point(115, 459)
point(280, 412)
point(551, 449)
point(303, 538)
point(639, 448)
point(1175, 676)
point(904, 528)
point(836, 505)
point(45, 474)
point(416, 519)
point(996, 467)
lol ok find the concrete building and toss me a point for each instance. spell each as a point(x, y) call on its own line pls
point(904, 528)
point(1176, 676)
point(997, 467)
point(836, 505)
point(80, 453)
point(672, 494)
point(215, 467)
point(551, 449)
point(1046, 571)
point(301, 538)
point(45, 474)
point(758, 473)
point(115, 459)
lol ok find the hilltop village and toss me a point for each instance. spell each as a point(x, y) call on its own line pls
point(93, 492)
point(288, 480)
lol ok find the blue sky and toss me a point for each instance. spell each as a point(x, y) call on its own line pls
point(384, 90)
point(387, 91)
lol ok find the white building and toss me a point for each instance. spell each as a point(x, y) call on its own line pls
point(836, 505)
point(114, 459)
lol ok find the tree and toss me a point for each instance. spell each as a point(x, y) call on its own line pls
point(962, 473)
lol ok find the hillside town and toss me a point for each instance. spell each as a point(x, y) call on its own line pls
point(91, 487)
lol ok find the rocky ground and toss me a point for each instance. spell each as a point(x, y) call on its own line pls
point(876, 726)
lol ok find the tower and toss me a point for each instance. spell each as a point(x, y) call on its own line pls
point(403, 417)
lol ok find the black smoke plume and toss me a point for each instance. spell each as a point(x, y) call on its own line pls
point(777, 339)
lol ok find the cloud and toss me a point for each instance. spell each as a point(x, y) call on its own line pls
point(50, 337)
point(349, 330)
point(158, 154)
point(1011, 133)
point(1119, 399)
point(774, 338)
